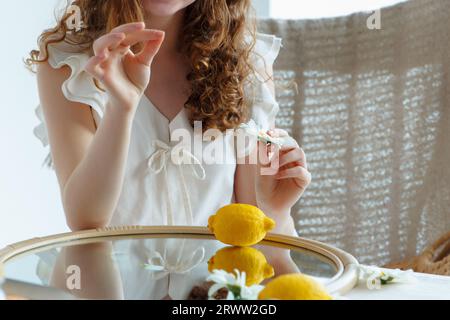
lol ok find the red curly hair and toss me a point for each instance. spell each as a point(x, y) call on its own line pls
point(214, 39)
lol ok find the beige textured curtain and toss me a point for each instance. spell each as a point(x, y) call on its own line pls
point(372, 112)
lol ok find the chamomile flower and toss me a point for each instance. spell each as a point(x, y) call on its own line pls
point(252, 129)
point(376, 277)
point(234, 283)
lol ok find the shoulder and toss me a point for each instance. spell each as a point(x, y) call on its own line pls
point(61, 61)
point(47, 75)
point(64, 70)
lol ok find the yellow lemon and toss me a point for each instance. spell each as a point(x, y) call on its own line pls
point(244, 259)
point(240, 225)
point(294, 287)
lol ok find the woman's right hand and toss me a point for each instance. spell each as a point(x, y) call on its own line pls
point(123, 74)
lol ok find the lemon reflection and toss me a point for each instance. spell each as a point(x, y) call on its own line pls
point(245, 259)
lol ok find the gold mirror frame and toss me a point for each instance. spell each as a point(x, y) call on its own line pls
point(346, 265)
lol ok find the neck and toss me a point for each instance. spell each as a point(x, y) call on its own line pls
point(171, 26)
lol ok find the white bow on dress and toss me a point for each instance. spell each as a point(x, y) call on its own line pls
point(158, 163)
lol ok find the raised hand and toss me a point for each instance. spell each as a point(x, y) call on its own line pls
point(281, 181)
point(123, 74)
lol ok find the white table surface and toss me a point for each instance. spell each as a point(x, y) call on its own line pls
point(425, 287)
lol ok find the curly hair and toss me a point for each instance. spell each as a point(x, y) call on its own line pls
point(214, 39)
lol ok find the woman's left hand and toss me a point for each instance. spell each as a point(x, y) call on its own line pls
point(281, 179)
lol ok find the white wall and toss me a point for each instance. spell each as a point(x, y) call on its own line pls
point(29, 197)
point(262, 8)
point(307, 9)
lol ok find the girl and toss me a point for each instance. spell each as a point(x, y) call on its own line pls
point(114, 94)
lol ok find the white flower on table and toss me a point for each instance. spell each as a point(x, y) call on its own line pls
point(235, 284)
point(376, 277)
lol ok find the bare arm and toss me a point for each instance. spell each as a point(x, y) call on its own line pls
point(99, 274)
point(90, 163)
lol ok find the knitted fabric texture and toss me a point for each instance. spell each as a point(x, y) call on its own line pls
point(371, 110)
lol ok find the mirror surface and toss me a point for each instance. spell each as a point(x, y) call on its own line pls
point(154, 267)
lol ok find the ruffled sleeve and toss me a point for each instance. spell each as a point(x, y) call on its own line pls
point(79, 87)
point(264, 107)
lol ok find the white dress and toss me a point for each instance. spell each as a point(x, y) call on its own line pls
point(157, 191)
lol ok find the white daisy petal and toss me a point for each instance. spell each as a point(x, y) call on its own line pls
point(375, 276)
point(218, 276)
point(235, 283)
point(373, 282)
point(251, 293)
